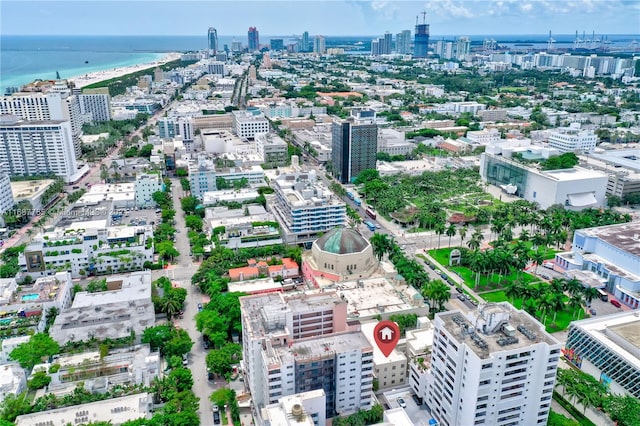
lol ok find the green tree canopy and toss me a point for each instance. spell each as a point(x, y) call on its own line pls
point(35, 351)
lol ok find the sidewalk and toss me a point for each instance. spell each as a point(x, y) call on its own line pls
point(454, 277)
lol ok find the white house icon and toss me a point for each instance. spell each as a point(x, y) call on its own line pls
point(386, 333)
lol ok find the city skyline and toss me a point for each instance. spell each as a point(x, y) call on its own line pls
point(329, 17)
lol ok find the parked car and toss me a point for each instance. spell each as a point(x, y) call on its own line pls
point(417, 399)
point(185, 359)
point(462, 297)
point(616, 303)
point(402, 403)
point(199, 307)
point(459, 290)
point(216, 415)
point(592, 311)
point(205, 344)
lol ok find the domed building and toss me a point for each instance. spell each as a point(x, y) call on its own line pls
point(339, 255)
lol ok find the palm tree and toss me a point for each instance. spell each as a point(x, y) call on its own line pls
point(538, 240)
point(573, 286)
point(575, 303)
point(524, 236)
point(440, 229)
point(451, 232)
point(538, 257)
point(440, 292)
point(380, 244)
point(513, 289)
point(565, 378)
point(170, 306)
point(545, 304)
point(474, 244)
point(557, 304)
point(463, 233)
point(590, 293)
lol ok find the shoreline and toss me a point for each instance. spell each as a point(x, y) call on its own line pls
point(83, 80)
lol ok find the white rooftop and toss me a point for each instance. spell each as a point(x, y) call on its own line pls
point(116, 410)
point(378, 357)
point(576, 173)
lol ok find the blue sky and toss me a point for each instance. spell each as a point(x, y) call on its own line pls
point(329, 17)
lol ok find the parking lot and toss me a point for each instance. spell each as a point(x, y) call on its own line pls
point(419, 414)
point(135, 217)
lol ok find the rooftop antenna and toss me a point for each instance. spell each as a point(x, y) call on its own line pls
point(424, 17)
point(416, 19)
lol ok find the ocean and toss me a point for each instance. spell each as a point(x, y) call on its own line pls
point(26, 58)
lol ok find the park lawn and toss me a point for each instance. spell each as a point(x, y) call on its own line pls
point(486, 281)
point(563, 319)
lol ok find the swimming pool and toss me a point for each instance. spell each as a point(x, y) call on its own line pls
point(4, 321)
point(30, 297)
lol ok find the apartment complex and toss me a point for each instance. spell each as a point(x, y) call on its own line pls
point(607, 348)
point(29, 148)
point(354, 144)
point(97, 250)
point(123, 310)
point(611, 254)
point(145, 186)
point(250, 122)
point(6, 193)
point(302, 343)
point(494, 366)
point(305, 207)
point(97, 106)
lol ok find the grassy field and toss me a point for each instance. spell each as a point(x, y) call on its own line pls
point(487, 282)
point(562, 319)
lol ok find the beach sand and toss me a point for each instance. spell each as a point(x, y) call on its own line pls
point(97, 76)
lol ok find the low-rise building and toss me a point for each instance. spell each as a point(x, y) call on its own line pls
point(610, 252)
point(608, 349)
point(241, 196)
point(273, 150)
point(88, 250)
point(145, 185)
point(204, 175)
point(13, 380)
point(250, 122)
point(574, 189)
point(24, 308)
point(9, 344)
point(26, 190)
point(120, 195)
point(115, 410)
point(305, 207)
point(391, 370)
point(113, 314)
point(133, 365)
point(302, 409)
point(573, 139)
point(393, 142)
point(287, 269)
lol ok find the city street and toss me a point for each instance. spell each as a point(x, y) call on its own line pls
point(181, 274)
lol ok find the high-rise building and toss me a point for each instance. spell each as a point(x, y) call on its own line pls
point(354, 144)
point(254, 39)
point(37, 148)
point(212, 37)
point(492, 366)
point(463, 47)
point(6, 195)
point(319, 45)
point(305, 42)
point(421, 39)
point(403, 42)
point(294, 344)
point(387, 43)
point(96, 105)
point(375, 47)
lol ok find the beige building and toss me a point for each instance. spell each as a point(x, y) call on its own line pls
point(390, 371)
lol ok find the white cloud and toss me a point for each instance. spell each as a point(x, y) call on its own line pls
point(449, 9)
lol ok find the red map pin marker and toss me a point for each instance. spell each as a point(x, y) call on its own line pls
point(386, 334)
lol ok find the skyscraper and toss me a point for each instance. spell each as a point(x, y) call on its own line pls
point(277, 44)
point(463, 46)
point(387, 44)
point(305, 42)
point(212, 37)
point(421, 38)
point(403, 42)
point(354, 144)
point(318, 45)
point(254, 39)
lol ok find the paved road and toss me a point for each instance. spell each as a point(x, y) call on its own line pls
point(181, 274)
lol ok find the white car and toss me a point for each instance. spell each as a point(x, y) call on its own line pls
point(402, 403)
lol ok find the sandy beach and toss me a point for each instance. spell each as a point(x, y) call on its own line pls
point(95, 77)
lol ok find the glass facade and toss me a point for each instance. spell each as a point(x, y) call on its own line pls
point(499, 172)
point(583, 347)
